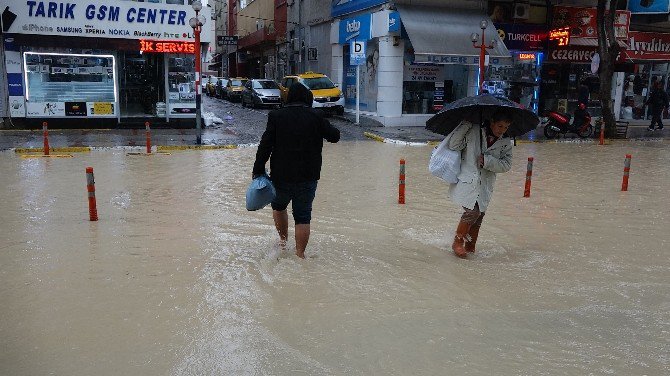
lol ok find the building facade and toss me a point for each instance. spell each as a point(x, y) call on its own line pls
point(101, 64)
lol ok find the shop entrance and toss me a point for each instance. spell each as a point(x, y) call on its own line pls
point(142, 85)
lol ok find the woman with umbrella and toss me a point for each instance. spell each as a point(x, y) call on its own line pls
point(480, 127)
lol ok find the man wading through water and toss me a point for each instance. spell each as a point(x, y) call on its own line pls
point(293, 141)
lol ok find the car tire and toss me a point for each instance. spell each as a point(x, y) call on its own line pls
point(243, 102)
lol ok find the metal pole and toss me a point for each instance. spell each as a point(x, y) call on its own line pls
point(358, 94)
point(198, 89)
point(482, 56)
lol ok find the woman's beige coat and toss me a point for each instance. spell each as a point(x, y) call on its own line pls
point(475, 184)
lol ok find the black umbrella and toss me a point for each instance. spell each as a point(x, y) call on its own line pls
point(481, 107)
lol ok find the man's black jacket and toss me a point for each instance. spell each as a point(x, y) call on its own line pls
point(293, 141)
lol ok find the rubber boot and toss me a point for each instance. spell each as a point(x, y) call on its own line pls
point(471, 239)
point(459, 239)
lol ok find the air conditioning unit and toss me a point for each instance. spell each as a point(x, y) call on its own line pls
point(521, 11)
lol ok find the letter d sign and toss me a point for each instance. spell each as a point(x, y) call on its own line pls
point(357, 53)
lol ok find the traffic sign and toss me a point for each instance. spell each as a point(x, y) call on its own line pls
point(357, 53)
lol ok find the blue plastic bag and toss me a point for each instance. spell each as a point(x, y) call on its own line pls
point(260, 193)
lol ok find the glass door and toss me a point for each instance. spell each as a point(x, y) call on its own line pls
point(142, 85)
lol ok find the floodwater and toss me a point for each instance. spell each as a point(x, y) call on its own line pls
point(177, 278)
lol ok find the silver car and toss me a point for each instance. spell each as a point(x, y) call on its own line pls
point(260, 92)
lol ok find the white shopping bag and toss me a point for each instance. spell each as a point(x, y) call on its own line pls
point(445, 163)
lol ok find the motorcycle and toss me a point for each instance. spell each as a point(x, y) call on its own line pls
point(558, 123)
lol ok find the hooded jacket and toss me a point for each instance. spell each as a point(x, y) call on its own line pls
point(293, 139)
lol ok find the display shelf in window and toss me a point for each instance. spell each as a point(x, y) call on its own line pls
point(70, 85)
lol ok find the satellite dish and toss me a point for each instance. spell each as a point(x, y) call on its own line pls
point(595, 63)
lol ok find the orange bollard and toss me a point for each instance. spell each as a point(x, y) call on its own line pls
point(45, 131)
point(529, 175)
point(602, 133)
point(626, 172)
point(90, 186)
point(146, 124)
point(401, 183)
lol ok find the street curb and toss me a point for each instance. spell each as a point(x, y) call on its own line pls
point(385, 140)
point(71, 149)
point(194, 147)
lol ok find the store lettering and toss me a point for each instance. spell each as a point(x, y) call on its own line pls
point(524, 37)
point(577, 55)
point(54, 10)
point(144, 15)
point(656, 45)
point(167, 47)
point(102, 13)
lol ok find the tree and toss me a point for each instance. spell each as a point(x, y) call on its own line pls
point(608, 50)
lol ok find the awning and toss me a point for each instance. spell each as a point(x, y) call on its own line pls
point(442, 35)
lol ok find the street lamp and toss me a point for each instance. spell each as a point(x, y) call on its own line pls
point(196, 23)
point(483, 24)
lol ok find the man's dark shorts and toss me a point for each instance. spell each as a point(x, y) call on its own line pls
point(302, 195)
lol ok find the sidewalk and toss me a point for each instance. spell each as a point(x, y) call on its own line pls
point(637, 129)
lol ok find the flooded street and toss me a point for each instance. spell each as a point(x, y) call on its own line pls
point(177, 278)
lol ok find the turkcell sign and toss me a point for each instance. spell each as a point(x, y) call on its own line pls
point(357, 52)
point(342, 7)
point(356, 28)
point(103, 19)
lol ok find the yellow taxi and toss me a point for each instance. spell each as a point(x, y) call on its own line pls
point(234, 88)
point(327, 96)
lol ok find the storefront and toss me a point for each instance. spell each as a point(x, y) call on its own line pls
point(570, 74)
point(416, 59)
point(520, 82)
point(101, 64)
point(647, 63)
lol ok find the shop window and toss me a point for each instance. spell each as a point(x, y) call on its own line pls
point(418, 97)
point(181, 84)
point(55, 77)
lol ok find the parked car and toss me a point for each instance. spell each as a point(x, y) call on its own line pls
point(209, 85)
point(327, 96)
point(260, 92)
point(220, 88)
point(234, 88)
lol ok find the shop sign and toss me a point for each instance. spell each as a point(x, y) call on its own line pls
point(526, 56)
point(17, 106)
point(648, 46)
point(356, 28)
point(75, 109)
point(226, 40)
point(522, 37)
point(154, 46)
point(573, 55)
point(425, 73)
point(97, 18)
point(101, 108)
point(45, 109)
point(394, 22)
point(458, 59)
point(342, 7)
point(583, 21)
point(562, 36)
point(647, 6)
point(15, 84)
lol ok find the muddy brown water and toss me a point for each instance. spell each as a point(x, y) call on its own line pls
point(177, 278)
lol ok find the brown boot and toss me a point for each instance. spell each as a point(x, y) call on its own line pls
point(471, 239)
point(459, 239)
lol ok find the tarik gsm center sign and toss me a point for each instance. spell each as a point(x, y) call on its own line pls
point(101, 19)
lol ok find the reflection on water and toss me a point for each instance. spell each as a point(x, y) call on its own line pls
point(178, 278)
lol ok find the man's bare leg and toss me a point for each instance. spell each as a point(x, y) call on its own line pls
point(301, 239)
point(281, 223)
